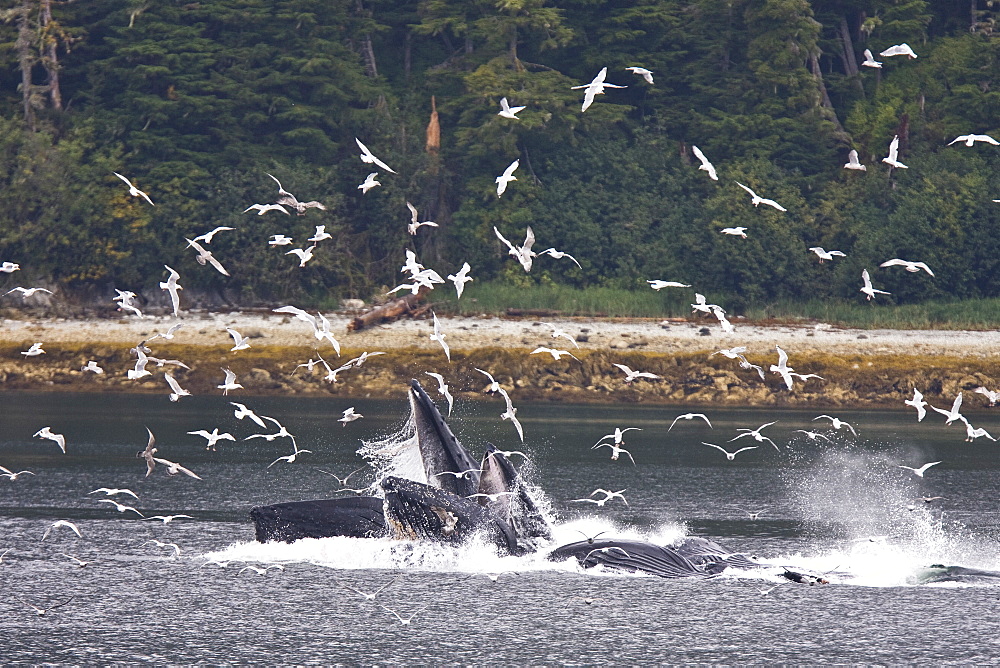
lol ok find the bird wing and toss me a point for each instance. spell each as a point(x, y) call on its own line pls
point(752, 193)
point(510, 168)
point(529, 241)
point(503, 239)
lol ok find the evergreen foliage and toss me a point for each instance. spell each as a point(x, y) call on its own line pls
point(197, 102)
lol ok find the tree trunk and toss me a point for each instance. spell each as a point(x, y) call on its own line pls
point(850, 61)
point(368, 53)
point(49, 58)
point(407, 53)
point(390, 311)
point(25, 62)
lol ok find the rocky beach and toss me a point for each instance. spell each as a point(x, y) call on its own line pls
point(858, 368)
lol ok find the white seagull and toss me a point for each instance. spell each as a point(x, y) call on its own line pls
point(523, 254)
point(171, 286)
point(62, 523)
point(34, 351)
point(9, 267)
point(508, 111)
point(493, 386)
point(205, 255)
point(208, 236)
point(414, 223)
point(511, 413)
point(27, 292)
point(213, 437)
point(506, 177)
point(555, 352)
point(631, 375)
point(731, 353)
point(735, 231)
point(173, 468)
point(460, 278)
point(13, 475)
point(368, 158)
point(952, 414)
point(642, 72)
point(870, 60)
point(991, 395)
point(438, 336)
point(893, 158)
point(132, 190)
point(242, 342)
point(757, 436)
point(731, 456)
point(898, 50)
point(918, 402)
point(261, 209)
point(244, 412)
point(782, 368)
point(757, 200)
point(836, 423)
point(705, 164)
point(350, 415)
point(111, 491)
point(854, 163)
point(919, 472)
point(594, 88)
point(321, 234)
point(304, 254)
point(969, 140)
point(229, 383)
point(867, 287)
point(279, 240)
point(124, 299)
point(176, 391)
point(369, 183)
point(911, 267)
point(824, 255)
point(120, 507)
point(659, 285)
point(690, 416)
point(46, 432)
point(558, 255)
point(443, 389)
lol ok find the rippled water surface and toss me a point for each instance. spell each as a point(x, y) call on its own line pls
point(842, 507)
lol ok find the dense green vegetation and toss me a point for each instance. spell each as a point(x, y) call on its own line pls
point(197, 101)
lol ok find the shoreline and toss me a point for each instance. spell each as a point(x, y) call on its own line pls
point(860, 368)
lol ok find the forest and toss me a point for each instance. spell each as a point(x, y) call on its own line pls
point(198, 101)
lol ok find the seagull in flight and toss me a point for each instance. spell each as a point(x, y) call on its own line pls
point(893, 158)
point(350, 416)
point(46, 432)
point(511, 413)
point(731, 353)
point(261, 209)
point(229, 383)
point(659, 285)
point(735, 231)
point(969, 140)
point(558, 255)
point(854, 163)
point(41, 612)
point(493, 386)
point(124, 299)
point(9, 267)
point(62, 523)
point(867, 288)
point(132, 190)
point(618, 435)
point(120, 507)
point(731, 456)
point(460, 278)
point(757, 200)
point(205, 255)
point(757, 436)
point(34, 351)
point(173, 468)
point(990, 395)
point(443, 389)
point(176, 391)
point(438, 336)
point(919, 472)
point(952, 414)
point(27, 292)
point(555, 352)
point(690, 416)
point(824, 255)
point(148, 453)
point(911, 267)
point(523, 254)
point(414, 223)
point(972, 433)
point(558, 333)
point(158, 543)
point(608, 496)
point(13, 475)
point(370, 596)
point(705, 164)
point(836, 423)
point(616, 450)
point(594, 88)
point(918, 402)
point(405, 621)
point(112, 491)
point(368, 158)
point(244, 412)
point(631, 375)
point(898, 50)
point(213, 437)
point(167, 519)
point(813, 435)
point(208, 236)
point(506, 177)
point(782, 368)
point(508, 111)
point(369, 183)
point(304, 254)
point(279, 240)
point(870, 60)
point(242, 342)
point(642, 72)
point(171, 286)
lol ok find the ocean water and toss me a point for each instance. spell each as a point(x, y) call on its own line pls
point(843, 508)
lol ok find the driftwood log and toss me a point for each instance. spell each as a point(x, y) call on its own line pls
point(408, 305)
